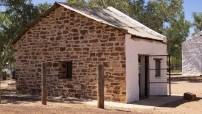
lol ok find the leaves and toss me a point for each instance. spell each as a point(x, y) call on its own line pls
point(17, 14)
point(176, 34)
point(197, 22)
point(80, 2)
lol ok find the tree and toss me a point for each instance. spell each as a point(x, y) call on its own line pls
point(176, 34)
point(4, 41)
point(169, 13)
point(42, 7)
point(80, 2)
point(17, 14)
point(122, 5)
point(137, 9)
point(158, 12)
point(155, 14)
point(197, 22)
point(20, 13)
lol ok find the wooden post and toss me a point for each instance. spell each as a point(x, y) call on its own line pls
point(44, 85)
point(100, 90)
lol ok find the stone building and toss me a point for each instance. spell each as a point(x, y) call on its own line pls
point(192, 56)
point(74, 39)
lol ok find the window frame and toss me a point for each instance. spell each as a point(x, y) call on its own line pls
point(157, 67)
point(68, 70)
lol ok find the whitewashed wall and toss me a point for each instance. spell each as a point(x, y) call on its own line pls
point(192, 56)
point(135, 47)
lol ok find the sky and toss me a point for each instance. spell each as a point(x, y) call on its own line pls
point(48, 1)
point(189, 7)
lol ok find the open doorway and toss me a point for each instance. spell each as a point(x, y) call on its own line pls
point(143, 76)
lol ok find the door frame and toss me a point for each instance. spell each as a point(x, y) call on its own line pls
point(147, 79)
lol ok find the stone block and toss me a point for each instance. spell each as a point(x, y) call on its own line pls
point(189, 96)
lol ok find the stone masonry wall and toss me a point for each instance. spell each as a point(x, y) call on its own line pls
point(64, 35)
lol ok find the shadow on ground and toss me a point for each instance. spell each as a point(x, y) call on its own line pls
point(9, 96)
point(9, 99)
point(26, 99)
point(177, 103)
point(164, 101)
point(191, 79)
point(66, 100)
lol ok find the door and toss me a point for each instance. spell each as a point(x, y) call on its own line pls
point(143, 76)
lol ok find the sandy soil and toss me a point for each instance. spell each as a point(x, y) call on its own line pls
point(13, 103)
point(180, 85)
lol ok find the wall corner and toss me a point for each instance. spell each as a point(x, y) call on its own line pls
point(127, 36)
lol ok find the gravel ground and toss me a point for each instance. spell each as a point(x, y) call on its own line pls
point(32, 105)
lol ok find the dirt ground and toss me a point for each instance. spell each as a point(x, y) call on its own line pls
point(179, 86)
point(12, 103)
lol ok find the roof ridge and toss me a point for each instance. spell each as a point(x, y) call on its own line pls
point(79, 5)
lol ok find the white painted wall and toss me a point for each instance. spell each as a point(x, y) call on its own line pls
point(140, 46)
point(192, 56)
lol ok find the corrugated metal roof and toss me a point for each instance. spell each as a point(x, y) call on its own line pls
point(114, 18)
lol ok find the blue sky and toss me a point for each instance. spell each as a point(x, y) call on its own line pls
point(189, 7)
point(48, 1)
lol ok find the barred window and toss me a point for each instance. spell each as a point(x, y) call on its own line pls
point(157, 67)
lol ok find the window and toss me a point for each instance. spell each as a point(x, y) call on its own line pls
point(157, 67)
point(65, 70)
point(69, 70)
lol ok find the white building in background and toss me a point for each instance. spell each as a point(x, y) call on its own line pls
point(192, 56)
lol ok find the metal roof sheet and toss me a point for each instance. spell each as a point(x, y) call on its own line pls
point(113, 17)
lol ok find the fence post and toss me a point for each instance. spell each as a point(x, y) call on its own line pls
point(100, 89)
point(44, 85)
